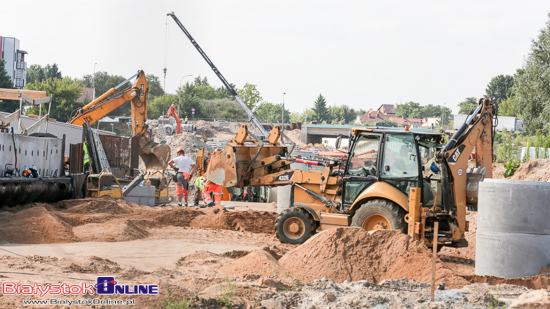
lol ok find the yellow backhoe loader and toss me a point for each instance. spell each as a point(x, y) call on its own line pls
point(390, 179)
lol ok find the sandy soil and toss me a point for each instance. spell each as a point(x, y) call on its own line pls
point(201, 255)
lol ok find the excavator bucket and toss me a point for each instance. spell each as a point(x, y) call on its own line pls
point(154, 155)
point(243, 159)
point(222, 168)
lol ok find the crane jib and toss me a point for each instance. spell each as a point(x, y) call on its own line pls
point(220, 76)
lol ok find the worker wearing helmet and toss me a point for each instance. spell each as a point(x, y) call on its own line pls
point(182, 165)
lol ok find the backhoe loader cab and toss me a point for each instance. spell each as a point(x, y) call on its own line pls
point(381, 157)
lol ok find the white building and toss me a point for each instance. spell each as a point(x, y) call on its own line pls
point(15, 61)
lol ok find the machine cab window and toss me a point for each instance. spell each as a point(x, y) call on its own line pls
point(363, 161)
point(400, 162)
point(400, 159)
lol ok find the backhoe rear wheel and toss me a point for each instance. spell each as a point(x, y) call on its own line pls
point(294, 226)
point(380, 215)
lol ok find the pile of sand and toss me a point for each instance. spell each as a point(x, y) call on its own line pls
point(257, 262)
point(190, 142)
point(219, 218)
point(35, 225)
point(104, 219)
point(533, 170)
point(354, 254)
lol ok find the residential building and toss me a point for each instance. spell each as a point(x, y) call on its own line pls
point(15, 61)
point(86, 96)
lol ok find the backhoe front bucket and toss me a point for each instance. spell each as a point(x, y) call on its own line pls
point(154, 155)
point(244, 159)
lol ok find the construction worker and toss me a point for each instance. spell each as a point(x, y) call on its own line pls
point(212, 193)
point(182, 165)
point(200, 182)
point(186, 118)
point(86, 158)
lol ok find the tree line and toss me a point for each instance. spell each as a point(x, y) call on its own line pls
point(526, 94)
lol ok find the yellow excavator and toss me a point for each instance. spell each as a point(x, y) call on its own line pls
point(154, 155)
point(390, 179)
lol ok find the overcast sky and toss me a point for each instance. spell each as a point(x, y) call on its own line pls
point(359, 53)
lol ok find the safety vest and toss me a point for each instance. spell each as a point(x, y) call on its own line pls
point(86, 155)
point(199, 182)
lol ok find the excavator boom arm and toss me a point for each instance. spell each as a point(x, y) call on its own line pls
point(102, 106)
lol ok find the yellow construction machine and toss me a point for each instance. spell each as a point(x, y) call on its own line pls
point(154, 155)
point(390, 179)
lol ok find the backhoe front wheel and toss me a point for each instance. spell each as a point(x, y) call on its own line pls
point(294, 226)
point(380, 215)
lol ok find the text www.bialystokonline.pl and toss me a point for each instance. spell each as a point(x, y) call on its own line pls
point(85, 302)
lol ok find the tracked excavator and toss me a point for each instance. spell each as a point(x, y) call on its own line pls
point(390, 179)
point(154, 155)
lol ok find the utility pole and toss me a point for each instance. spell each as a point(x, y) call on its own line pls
point(93, 83)
point(283, 118)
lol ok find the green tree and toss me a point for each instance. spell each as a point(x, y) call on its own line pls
point(500, 88)
point(103, 82)
point(270, 112)
point(320, 109)
point(306, 116)
point(250, 95)
point(532, 88)
point(5, 80)
point(155, 88)
point(227, 109)
point(9, 106)
point(467, 106)
point(65, 92)
point(408, 109)
point(341, 114)
point(37, 73)
point(507, 108)
point(159, 105)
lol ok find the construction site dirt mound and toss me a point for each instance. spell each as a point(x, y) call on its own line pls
point(354, 254)
point(257, 262)
point(103, 204)
point(245, 221)
point(104, 219)
point(190, 142)
point(533, 170)
point(34, 225)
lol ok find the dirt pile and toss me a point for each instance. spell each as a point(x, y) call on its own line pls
point(245, 221)
point(104, 219)
point(533, 170)
point(190, 142)
point(354, 254)
point(257, 262)
point(34, 225)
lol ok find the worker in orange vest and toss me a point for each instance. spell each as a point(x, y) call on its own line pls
point(212, 193)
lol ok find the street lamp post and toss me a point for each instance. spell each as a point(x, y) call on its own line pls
point(93, 82)
point(179, 96)
point(283, 113)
